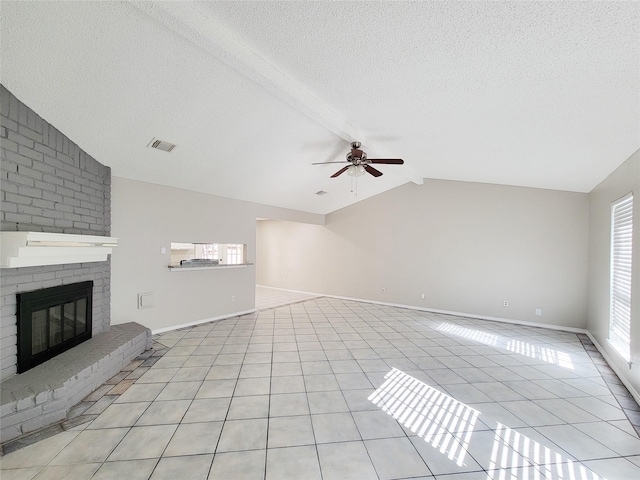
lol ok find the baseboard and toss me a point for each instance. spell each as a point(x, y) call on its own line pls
point(200, 322)
point(293, 291)
point(634, 393)
point(444, 312)
point(225, 316)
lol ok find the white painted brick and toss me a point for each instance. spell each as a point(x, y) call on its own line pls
point(55, 406)
point(29, 210)
point(42, 221)
point(53, 162)
point(9, 167)
point(85, 374)
point(42, 397)
point(44, 276)
point(65, 191)
point(55, 179)
point(11, 370)
point(7, 409)
point(30, 172)
point(39, 147)
point(25, 403)
point(27, 150)
point(43, 421)
point(8, 123)
point(54, 197)
point(15, 177)
point(73, 186)
point(43, 167)
point(44, 186)
point(29, 191)
point(30, 133)
point(21, 140)
point(8, 310)
point(59, 392)
point(8, 341)
point(11, 198)
point(9, 188)
point(20, 417)
point(8, 433)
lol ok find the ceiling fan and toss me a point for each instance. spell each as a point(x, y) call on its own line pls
point(360, 164)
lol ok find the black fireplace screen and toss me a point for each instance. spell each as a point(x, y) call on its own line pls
point(51, 321)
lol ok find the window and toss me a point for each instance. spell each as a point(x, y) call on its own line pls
point(207, 254)
point(620, 301)
point(209, 251)
point(235, 254)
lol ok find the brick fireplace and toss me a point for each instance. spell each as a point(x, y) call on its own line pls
point(49, 184)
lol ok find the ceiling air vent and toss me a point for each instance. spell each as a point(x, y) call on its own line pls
point(321, 192)
point(161, 145)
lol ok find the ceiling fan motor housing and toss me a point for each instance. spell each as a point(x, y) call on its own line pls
point(356, 156)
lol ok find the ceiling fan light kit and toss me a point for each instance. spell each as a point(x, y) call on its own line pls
point(356, 170)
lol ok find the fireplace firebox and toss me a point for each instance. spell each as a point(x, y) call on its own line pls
point(51, 321)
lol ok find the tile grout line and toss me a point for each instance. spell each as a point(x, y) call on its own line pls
point(591, 350)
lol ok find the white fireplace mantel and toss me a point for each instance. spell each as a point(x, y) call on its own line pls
point(30, 249)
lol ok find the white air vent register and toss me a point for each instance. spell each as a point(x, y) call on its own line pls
point(161, 145)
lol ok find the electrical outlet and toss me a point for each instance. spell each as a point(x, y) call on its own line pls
point(506, 303)
point(422, 296)
point(233, 298)
point(384, 289)
point(538, 311)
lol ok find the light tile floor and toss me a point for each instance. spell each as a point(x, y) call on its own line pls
point(334, 389)
point(267, 297)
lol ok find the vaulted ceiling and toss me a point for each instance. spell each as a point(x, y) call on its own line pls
point(536, 94)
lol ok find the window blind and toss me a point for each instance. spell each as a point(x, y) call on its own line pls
point(621, 253)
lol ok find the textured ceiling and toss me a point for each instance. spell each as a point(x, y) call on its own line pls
point(538, 94)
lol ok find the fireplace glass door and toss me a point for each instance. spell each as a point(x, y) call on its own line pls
point(51, 321)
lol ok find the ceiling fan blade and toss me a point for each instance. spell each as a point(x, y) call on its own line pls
point(388, 161)
point(372, 171)
point(339, 172)
point(327, 163)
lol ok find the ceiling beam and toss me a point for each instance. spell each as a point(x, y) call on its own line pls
point(207, 32)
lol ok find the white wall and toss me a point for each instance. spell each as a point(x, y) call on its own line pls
point(624, 180)
point(466, 246)
point(147, 217)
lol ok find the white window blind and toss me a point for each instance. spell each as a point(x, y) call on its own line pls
point(621, 250)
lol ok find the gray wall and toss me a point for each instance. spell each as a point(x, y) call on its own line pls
point(624, 180)
point(467, 246)
point(48, 184)
point(147, 218)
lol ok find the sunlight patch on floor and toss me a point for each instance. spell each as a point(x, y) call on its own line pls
point(549, 355)
point(438, 418)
